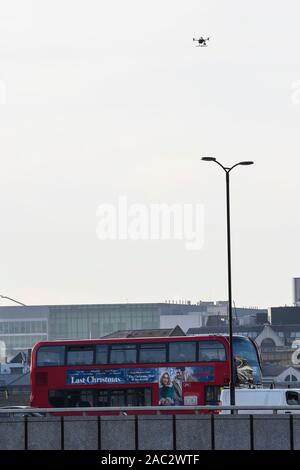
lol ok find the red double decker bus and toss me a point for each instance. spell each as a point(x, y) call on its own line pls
point(136, 372)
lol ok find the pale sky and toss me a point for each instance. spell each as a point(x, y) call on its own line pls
point(109, 99)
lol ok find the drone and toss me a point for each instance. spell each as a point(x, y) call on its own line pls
point(201, 42)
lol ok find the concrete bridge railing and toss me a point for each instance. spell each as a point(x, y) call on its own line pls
point(152, 432)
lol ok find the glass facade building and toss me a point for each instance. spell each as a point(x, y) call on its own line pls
point(21, 334)
point(94, 321)
point(22, 327)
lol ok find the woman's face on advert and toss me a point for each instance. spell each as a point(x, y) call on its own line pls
point(165, 379)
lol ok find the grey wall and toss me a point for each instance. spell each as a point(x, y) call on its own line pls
point(161, 432)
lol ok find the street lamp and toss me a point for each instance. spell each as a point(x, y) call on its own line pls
point(13, 300)
point(227, 171)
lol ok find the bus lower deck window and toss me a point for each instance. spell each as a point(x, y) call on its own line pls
point(212, 395)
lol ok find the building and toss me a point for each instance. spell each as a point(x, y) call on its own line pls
point(15, 381)
point(284, 315)
point(297, 291)
point(212, 314)
point(281, 376)
point(193, 320)
point(23, 326)
point(266, 336)
point(151, 333)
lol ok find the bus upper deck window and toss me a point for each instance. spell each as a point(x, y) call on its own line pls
point(50, 356)
point(152, 353)
point(102, 354)
point(182, 351)
point(80, 355)
point(211, 351)
point(123, 354)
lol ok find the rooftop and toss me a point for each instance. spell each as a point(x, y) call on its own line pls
point(146, 333)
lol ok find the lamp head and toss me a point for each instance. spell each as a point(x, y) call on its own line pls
point(246, 163)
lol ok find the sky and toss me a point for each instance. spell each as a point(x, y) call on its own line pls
point(101, 101)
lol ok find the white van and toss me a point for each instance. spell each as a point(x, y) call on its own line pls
point(262, 397)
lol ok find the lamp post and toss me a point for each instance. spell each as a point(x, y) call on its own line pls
point(227, 172)
point(13, 300)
